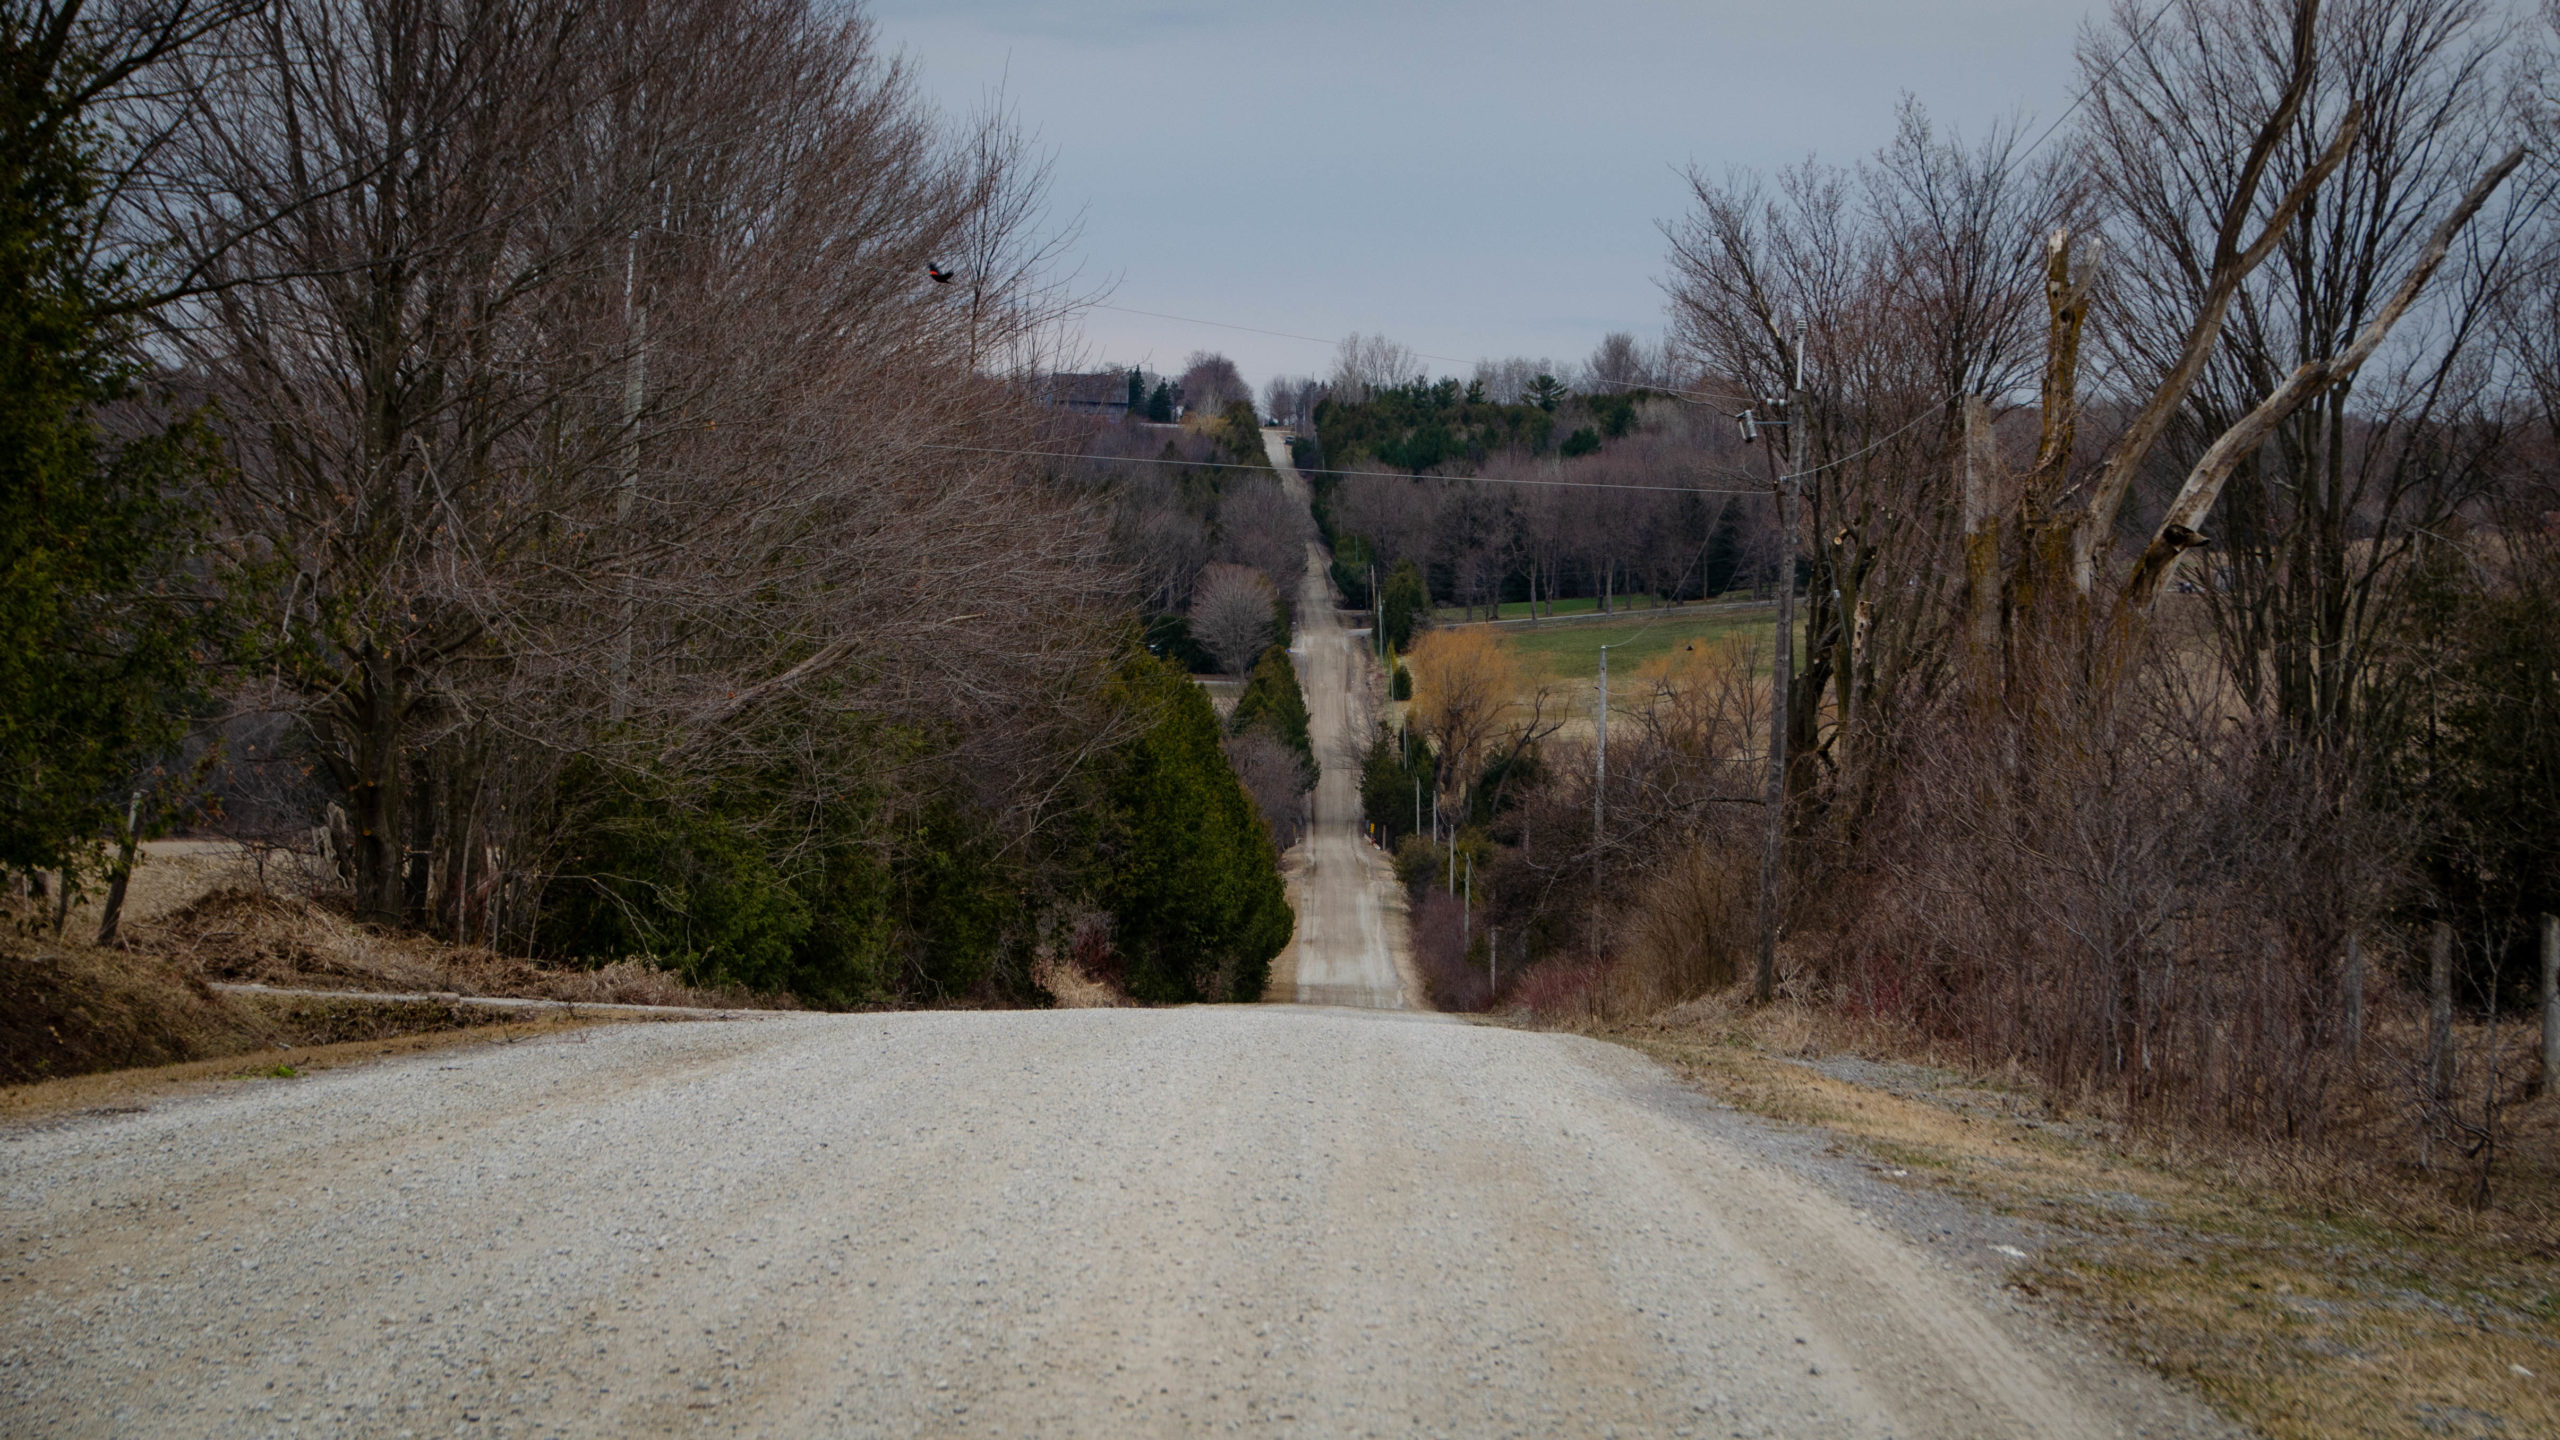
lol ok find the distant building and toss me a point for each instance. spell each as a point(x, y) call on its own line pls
point(1104, 392)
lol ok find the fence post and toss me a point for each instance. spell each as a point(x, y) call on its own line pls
point(2353, 1000)
point(2550, 1000)
point(2440, 1013)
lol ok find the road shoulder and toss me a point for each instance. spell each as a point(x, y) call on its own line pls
point(2292, 1312)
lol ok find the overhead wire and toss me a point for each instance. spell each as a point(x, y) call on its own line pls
point(2141, 34)
point(1359, 474)
point(1672, 390)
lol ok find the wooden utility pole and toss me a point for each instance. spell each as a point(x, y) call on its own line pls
point(1600, 768)
point(2440, 1013)
point(2352, 1000)
point(1764, 976)
point(2550, 1000)
point(635, 393)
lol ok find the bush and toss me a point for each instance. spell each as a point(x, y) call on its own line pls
point(1400, 687)
point(1393, 776)
point(1695, 924)
point(1421, 863)
point(686, 885)
point(1451, 959)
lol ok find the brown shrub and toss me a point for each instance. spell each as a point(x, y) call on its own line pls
point(1450, 954)
point(1694, 924)
point(2143, 901)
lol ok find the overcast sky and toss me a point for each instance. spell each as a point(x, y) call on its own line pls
point(1478, 179)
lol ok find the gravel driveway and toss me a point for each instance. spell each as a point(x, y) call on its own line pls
point(1273, 1220)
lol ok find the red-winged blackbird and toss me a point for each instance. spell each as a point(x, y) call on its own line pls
point(940, 275)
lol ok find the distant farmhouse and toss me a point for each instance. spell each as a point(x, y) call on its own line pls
point(1104, 393)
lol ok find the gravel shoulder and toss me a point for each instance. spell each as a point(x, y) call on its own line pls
point(1274, 1220)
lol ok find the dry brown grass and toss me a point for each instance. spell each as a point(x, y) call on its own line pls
point(123, 1091)
point(2308, 1293)
point(254, 937)
point(1068, 985)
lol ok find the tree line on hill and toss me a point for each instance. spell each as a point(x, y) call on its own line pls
point(2173, 707)
point(526, 444)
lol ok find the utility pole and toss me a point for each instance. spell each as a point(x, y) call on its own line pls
point(1600, 763)
point(635, 390)
point(1764, 976)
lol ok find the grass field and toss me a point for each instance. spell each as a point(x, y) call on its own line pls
point(1519, 609)
point(1568, 652)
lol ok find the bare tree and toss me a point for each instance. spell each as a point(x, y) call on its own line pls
point(2314, 522)
point(1231, 615)
point(1619, 364)
point(1507, 382)
point(1365, 363)
point(1210, 383)
point(1291, 400)
point(1260, 526)
point(1273, 777)
point(588, 394)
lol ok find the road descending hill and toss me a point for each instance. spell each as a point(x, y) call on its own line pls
point(1349, 948)
point(1273, 1220)
point(1308, 1220)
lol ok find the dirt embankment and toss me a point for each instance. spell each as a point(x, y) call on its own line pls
point(203, 919)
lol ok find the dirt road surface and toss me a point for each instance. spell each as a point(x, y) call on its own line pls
point(1267, 1220)
point(1349, 948)
point(1334, 1220)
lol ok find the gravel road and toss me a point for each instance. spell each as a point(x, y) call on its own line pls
point(1276, 1220)
point(1349, 947)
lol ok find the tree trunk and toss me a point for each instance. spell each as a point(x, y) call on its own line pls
point(1980, 458)
point(375, 792)
point(122, 874)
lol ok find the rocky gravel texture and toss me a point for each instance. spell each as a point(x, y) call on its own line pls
point(1269, 1220)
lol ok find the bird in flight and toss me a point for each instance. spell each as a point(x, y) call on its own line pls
point(940, 275)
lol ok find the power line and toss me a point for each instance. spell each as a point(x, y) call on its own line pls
point(1671, 390)
point(2141, 34)
point(1366, 474)
point(1915, 422)
point(2102, 76)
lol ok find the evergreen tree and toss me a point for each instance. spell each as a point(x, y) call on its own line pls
point(1404, 604)
point(102, 629)
point(1187, 868)
point(1395, 778)
point(1273, 701)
